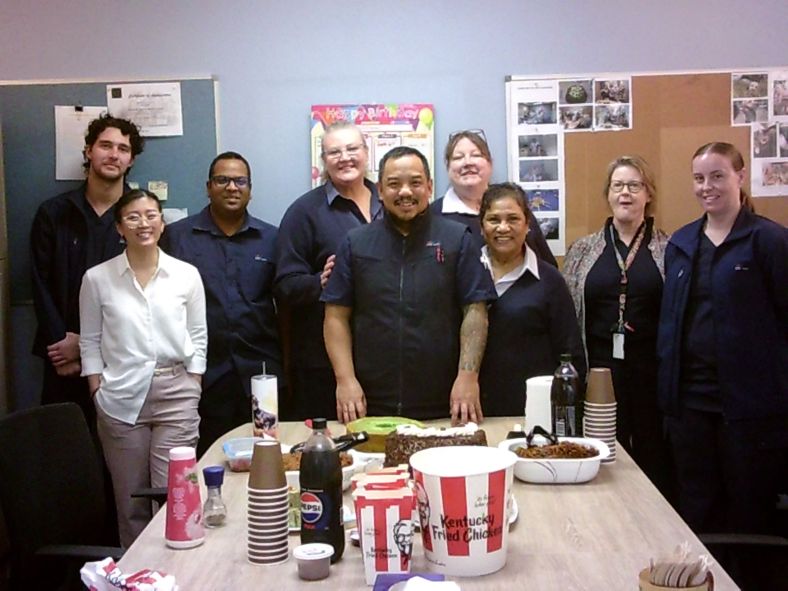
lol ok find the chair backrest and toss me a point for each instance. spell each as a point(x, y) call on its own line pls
point(51, 484)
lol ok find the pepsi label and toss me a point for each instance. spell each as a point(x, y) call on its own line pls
point(315, 509)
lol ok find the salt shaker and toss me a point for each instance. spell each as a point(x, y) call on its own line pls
point(214, 511)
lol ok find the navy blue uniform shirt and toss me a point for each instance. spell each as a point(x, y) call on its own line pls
point(238, 274)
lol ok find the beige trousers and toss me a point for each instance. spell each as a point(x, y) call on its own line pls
point(137, 455)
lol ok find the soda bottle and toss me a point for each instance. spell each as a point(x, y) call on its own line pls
point(565, 399)
point(321, 491)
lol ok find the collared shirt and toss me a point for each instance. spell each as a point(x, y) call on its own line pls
point(127, 330)
point(407, 294)
point(453, 204)
point(238, 274)
point(311, 230)
point(530, 263)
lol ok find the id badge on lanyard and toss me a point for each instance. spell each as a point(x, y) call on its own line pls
point(619, 328)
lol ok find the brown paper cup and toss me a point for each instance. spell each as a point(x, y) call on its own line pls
point(600, 386)
point(267, 470)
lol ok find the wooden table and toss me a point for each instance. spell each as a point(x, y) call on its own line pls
point(594, 536)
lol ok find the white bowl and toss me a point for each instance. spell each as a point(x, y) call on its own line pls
point(292, 476)
point(557, 471)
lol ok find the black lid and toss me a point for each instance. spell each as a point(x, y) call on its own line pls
point(566, 357)
point(318, 423)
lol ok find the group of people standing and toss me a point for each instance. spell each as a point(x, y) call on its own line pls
point(386, 305)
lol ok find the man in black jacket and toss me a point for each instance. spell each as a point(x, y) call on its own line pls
point(71, 233)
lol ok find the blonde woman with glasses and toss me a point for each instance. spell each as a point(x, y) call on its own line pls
point(143, 344)
point(615, 277)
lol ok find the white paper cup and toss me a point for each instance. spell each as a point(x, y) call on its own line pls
point(265, 406)
point(462, 496)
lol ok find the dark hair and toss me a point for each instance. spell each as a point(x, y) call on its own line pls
point(502, 191)
point(472, 136)
point(126, 127)
point(737, 161)
point(401, 152)
point(638, 163)
point(131, 196)
point(230, 156)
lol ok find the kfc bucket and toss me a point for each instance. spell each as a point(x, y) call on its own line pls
point(462, 495)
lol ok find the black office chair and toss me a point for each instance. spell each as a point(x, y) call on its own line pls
point(52, 497)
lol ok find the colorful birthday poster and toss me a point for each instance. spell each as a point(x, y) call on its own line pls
point(384, 126)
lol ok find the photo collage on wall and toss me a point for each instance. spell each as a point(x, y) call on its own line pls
point(538, 114)
point(536, 154)
point(385, 126)
point(760, 100)
point(595, 104)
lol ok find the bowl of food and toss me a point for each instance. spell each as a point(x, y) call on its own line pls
point(293, 461)
point(570, 461)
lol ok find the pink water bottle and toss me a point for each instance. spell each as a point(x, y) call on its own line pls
point(184, 527)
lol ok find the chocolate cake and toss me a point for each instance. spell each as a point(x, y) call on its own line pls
point(407, 440)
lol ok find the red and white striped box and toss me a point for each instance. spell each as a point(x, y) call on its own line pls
point(385, 526)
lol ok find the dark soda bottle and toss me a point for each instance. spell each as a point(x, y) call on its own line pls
point(565, 399)
point(321, 491)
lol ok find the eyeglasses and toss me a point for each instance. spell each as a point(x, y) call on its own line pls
point(223, 181)
point(134, 220)
point(465, 132)
point(351, 150)
point(632, 186)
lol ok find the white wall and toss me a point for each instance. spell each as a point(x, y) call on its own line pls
point(275, 58)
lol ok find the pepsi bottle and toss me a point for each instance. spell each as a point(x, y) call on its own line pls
point(321, 491)
point(565, 399)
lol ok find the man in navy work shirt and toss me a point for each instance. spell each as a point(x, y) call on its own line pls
point(71, 233)
point(234, 253)
point(310, 233)
point(406, 306)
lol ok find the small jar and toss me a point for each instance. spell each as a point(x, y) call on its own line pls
point(214, 512)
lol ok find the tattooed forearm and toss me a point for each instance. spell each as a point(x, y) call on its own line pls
point(473, 336)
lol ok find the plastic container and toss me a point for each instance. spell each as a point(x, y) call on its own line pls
point(314, 560)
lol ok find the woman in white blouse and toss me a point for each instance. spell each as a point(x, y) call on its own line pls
point(143, 344)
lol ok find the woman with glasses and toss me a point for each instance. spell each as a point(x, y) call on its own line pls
point(615, 277)
point(469, 164)
point(310, 234)
point(533, 320)
point(723, 352)
point(143, 343)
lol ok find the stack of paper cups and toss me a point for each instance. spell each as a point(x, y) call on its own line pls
point(599, 419)
point(267, 529)
point(265, 406)
point(537, 403)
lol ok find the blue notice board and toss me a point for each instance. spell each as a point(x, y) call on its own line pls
point(28, 117)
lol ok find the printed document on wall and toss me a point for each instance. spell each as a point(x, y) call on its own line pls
point(154, 107)
point(71, 124)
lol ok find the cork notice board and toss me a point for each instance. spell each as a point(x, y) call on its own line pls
point(673, 116)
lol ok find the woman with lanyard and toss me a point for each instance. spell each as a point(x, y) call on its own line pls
point(615, 277)
point(469, 164)
point(723, 352)
point(144, 340)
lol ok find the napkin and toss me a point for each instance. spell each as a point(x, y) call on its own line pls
point(105, 575)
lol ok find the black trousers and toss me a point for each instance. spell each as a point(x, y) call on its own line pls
point(314, 394)
point(729, 472)
point(223, 407)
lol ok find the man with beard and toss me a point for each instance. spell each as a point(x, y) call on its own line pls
point(71, 233)
point(406, 317)
point(234, 253)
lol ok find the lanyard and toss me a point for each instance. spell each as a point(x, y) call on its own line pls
point(624, 265)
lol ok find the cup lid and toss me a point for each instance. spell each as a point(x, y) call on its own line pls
point(315, 551)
